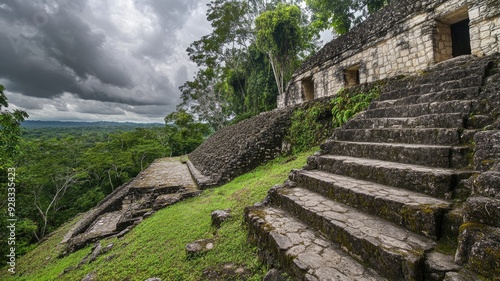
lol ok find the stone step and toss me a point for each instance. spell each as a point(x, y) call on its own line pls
point(302, 251)
point(470, 93)
point(417, 212)
point(444, 120)
point(431, 136)
point(419, 109)
point(406, 88)
point(392, 251)
point(419, 154)
point(437, 182)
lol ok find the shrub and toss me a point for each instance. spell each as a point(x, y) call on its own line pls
point(309, 126)
point(310, 123)
point(347, 103)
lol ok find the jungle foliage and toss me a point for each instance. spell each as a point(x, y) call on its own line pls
point(313, 124)
point(63, 171)
point(253, 50)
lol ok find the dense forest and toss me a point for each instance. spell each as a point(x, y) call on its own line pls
point(244, 64)
point(65, 170)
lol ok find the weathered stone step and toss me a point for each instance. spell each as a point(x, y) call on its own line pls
point(418, 154)
point(415, 211)
point(437, 182)
point(470, 93)
point(302, 251)
point(444, 120)
point(392, 251)
point(419, 109)
point(431, 136)
point(425, 86)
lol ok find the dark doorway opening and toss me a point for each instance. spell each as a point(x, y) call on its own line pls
point(460, 38)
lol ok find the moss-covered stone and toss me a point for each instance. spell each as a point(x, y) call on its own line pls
point(479, 248)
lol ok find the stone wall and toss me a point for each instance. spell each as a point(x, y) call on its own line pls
point(403, 38)
point(479, 241)
point(239, 148)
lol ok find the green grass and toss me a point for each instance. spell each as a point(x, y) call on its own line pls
point(155, 248)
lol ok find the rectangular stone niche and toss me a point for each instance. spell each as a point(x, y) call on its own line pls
point(308, 88)
point(351, 76)
point(452, 35)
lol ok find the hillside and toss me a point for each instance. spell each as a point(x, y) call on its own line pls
point(155, 248)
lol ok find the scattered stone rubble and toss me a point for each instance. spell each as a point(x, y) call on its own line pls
point(199, 246)
point(226, 272)
point(219, 216)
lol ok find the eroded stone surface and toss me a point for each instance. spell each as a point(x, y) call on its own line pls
point(165, 173)
point(418, 136)
point(369, 226)
point(105, 223)
point(165, 182)
point(308, 252)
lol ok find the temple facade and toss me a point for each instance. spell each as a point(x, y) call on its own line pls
point(404, 38)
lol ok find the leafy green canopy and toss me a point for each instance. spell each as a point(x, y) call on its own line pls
point(253, 50)
point(236, 79)
point(186, 134)
point(280, 35)
point(10, 129)
point(61, 172)
point(341, 15)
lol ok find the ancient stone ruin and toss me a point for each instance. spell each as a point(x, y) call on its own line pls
point(410, 188)
point(165, 182)
point(405, 38)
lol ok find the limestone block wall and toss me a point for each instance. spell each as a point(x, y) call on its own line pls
point(240, 148)
point(401, 39)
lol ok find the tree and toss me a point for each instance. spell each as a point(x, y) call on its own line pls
point(341, 15)
point(50, 178)
point(10, 129)
point(10, 137)
point(237, 78)
point(280, 35)
point(186, 134)
point(204, 97)
point(231, 35)
point(60, 183)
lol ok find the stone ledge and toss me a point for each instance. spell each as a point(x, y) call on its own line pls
point(201, 180)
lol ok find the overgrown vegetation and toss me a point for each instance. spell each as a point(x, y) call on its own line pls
point(155, 248)
point(310, 126)
point(313, 123)
point(348, 103)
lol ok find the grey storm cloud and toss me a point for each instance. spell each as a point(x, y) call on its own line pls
point(96, 50)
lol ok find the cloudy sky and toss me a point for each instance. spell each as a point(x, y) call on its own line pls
point(114, 60)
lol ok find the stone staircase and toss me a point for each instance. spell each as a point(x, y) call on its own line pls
point(385, 190)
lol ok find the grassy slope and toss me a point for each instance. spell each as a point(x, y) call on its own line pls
point(155, 248)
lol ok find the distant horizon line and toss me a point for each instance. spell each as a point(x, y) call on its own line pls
point(84, 121)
